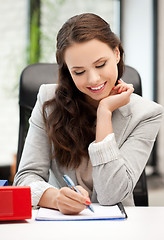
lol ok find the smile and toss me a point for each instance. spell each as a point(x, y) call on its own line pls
point(98, 88)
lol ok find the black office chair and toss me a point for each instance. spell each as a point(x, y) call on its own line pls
point(36, 74)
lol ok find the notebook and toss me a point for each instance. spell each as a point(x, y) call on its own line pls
point(116, 212)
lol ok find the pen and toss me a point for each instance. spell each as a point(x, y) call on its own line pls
point(71, 185)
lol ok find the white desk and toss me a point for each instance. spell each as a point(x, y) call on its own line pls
point(143, 223)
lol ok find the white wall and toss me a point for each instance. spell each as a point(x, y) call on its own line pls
point(13, 41)
point(137, 40)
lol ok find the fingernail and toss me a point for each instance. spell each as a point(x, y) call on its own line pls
point(113, 88)
point(88, 201)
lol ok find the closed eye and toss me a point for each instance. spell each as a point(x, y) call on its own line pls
point(102, 65)
point(79, 73)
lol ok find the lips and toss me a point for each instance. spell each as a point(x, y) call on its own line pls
point(98, 88)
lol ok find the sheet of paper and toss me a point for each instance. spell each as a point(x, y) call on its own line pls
point(100, 213)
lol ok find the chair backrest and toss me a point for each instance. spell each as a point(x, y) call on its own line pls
point(132, 76)
point(31, 79)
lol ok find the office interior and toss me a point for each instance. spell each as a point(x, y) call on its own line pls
point(139, 24)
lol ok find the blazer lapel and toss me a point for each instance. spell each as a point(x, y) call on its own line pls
point(120, 122)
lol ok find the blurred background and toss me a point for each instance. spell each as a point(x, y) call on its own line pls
point(28, 35)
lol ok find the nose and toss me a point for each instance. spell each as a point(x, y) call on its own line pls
point(93, 77)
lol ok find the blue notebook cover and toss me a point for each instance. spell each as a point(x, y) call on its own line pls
point(3, 183)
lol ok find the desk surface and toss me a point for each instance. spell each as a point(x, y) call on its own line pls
point(142, 223)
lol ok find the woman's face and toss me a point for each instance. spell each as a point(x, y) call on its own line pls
point(93, 67)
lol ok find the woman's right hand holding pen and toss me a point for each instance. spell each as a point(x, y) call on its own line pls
point(71, 202)
point(65, 200)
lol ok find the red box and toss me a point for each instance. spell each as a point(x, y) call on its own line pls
point(15, 203)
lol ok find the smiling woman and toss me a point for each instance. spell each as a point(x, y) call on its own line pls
point(89, 126)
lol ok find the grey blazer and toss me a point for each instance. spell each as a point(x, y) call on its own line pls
point(117, 161)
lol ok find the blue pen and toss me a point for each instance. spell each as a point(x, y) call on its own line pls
point(71, 185)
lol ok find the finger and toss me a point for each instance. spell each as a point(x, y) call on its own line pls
point(121, 84)
point(85, 194)
point(124, 89)
point(68, 201)
point(129, 91)
point(83, 191)
point(120, 81)
point(71, 208)
point(131, 87)
point(73, 195)
point(126, 95)
point(116, 87)
point(120, 90)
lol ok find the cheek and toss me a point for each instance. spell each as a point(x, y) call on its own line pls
point(111, 72)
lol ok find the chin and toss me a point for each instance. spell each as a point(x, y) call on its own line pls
point(96, 99)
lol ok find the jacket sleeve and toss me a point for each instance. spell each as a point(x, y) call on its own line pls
point(116, 170)
point(35, 162)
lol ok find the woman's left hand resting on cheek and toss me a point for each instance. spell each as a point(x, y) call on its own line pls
point(119, 96)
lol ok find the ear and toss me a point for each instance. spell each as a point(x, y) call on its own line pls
point(117, 54)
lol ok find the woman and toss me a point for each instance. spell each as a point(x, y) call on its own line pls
point(90, 126)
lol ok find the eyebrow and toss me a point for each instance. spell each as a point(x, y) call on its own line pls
point(77, 67)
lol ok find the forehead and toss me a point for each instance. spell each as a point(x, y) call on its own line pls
point(81, 54)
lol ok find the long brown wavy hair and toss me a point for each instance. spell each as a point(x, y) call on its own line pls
point(70, 126)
